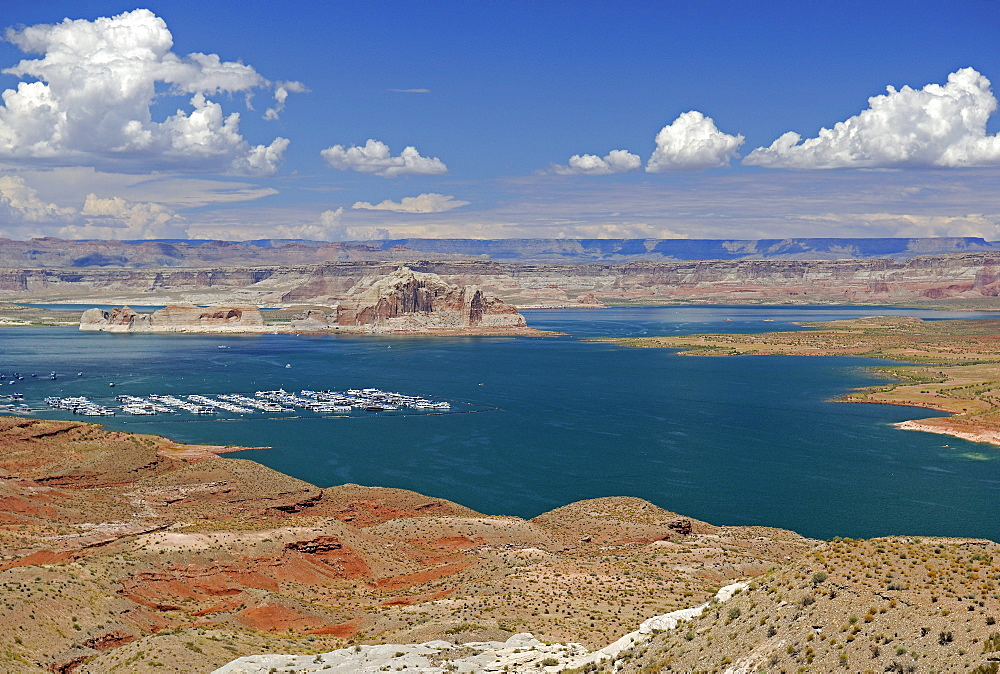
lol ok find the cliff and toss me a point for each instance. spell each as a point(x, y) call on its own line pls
point(406, 301)
point(174, 319)
point(959, 277)
point(401, 301)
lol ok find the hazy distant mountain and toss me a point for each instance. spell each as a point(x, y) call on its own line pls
point(625, 250)
point(59, 253)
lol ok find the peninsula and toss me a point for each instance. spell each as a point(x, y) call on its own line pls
point(955, 364)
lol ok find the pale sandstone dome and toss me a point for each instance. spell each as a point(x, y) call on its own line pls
point(174, 319)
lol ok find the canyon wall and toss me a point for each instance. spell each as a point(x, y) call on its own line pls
point(963, 276)
point(410, 300)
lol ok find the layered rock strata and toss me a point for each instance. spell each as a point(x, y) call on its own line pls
point(407, 300)
point(402, 301)
point(56, 253)
point(955, 277)
point(122, 552)
point(174, 319)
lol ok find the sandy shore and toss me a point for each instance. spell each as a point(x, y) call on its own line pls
point(202, 452)
point(974, 435)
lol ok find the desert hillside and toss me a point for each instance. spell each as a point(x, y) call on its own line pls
point(125, 552)
point(122, 551)
point(898, 604)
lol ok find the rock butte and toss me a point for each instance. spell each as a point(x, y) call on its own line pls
point(404, 301)
point(411, 301)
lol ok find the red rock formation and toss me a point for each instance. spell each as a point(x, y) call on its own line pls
point(410, 300)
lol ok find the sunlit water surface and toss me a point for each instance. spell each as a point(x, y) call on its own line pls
point(543, 421)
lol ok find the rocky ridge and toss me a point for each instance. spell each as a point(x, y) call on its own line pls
point(932, 279)
point(520, 652)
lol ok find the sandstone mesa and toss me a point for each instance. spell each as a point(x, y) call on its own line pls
point(968, 279)
point(404, 301)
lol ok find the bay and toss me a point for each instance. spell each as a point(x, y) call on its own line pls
point(543, 421)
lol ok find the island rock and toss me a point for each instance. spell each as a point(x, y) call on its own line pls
point(174, 319)
point(411, 301)
point(403, 301)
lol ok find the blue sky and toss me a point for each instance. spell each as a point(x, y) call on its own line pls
point(526, 119)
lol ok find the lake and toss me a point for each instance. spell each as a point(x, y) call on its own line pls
point(539, 422)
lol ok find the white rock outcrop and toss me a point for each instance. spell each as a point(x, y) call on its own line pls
point(174, 319)
point(522, 652)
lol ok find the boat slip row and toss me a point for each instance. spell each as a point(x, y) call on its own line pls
point(262, 402)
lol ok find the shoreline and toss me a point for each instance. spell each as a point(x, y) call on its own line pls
point(230, 547)
point(280, 330)
point(948, 366)
point(202, 452)
point(983, 436)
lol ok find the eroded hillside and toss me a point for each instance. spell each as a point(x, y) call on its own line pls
point(122, 551)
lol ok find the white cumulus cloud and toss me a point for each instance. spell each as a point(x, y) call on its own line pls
point(429, 202)
point(117, 218)
point(616, 161)
point(939, 125)
point(692, 142)
point(94, 85)
point(331, 227)
point(281, 92)
point(375, 158)
point(100, 218)
point(20, 204)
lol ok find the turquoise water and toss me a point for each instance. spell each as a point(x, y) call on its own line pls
point(543, 421)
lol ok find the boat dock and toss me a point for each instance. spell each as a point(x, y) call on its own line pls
point(277, 401)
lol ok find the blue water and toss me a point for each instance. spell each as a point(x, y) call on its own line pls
point(548, 420)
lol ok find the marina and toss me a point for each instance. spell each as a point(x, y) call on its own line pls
point(538, 423)
point(278, 401)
